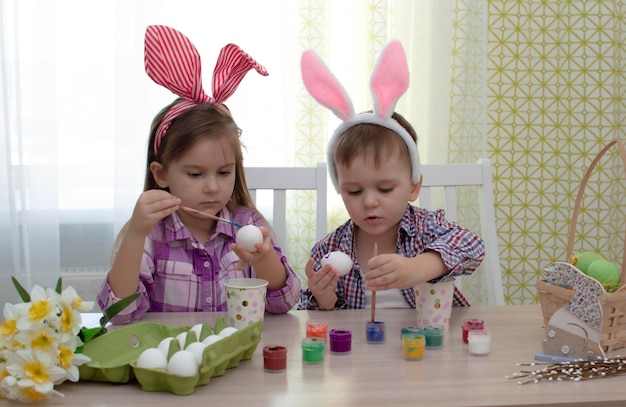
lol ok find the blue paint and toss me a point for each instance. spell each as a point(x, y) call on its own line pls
point(375, 331)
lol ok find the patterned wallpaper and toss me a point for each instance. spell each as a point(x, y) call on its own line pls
point(550, 96)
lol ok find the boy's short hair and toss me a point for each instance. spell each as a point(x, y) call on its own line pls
point(372, 140)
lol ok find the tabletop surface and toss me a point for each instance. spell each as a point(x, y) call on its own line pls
point(372, 374)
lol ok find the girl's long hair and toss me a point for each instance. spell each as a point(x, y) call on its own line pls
point(200, 121)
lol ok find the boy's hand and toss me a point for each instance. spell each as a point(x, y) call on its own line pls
point(322, 284)
point(390, 271)
point(396, 271)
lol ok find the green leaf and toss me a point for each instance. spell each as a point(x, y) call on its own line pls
point(24, 295)
point(116, 308)
point(87, 334)
point(59, 285)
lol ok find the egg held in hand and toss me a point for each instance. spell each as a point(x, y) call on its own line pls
point(339, 260)
point(248, 236)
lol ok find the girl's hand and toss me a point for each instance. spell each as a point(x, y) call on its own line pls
point(322, 284)
point(152, 206)
point(262, 250)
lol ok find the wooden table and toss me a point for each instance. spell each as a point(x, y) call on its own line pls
point(372, 374)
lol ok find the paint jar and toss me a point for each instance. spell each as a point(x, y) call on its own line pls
point(413, 346)
point(375, 331)
point(434, 336)
point(313, 350)
point(411, 330)
point(274, 358)
point(471, 325)
point(317, 329)
point(340, 341)
point(479, 342)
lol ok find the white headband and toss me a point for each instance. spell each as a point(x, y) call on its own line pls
point(389, 81)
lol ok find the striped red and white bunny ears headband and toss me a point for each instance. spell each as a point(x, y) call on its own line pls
point(389, 81)
point(172, 61)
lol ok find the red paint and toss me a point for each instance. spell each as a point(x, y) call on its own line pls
point(275, 358)
point(472, 325)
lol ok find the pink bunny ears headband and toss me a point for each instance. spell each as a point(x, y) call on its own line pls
point(389, 81)
point(172, 61)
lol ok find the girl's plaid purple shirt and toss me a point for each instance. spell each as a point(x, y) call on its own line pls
point(420, 230)
point(179, 274)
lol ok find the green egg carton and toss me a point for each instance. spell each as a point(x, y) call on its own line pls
point(114, 355)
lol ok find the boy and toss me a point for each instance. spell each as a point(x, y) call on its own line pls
point(374, 165)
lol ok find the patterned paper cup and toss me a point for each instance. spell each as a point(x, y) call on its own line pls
point(434, 303)
point(245, 299)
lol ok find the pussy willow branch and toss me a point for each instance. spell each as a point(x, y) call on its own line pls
point(575, 371)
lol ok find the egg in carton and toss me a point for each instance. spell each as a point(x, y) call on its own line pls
point(115, 355)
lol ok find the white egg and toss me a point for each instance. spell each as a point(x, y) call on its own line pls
point(196, 348)
point(152, 358)
point(339, 260)
point(182, 363)
point(197, 328)
point(228, 331)
point(182, 339)
point(164, 346)
point(248, 236)
point(211, 339)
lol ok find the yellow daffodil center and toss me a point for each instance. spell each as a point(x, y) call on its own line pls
point(65, 357)
point(7, 328)
point(39, 310)
point(67, 319)
point(42, 341)
point(76, 304)
point(36, 371)
point(31, 394)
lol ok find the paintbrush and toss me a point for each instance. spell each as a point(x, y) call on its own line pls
point(196, 212)
point(374, 292)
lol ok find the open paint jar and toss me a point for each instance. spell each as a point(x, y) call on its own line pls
point(434, 336)
point(471, 325)
point(317, 329)
point(413, 346)
point(479, 342)
point(274, 358)
point(340, 341)
point(313, 350)
point(375, 331)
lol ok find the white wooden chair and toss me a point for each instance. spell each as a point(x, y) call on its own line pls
point(447, 178)
point(281, 179)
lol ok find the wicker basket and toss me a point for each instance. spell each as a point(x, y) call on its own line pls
point(553, 297)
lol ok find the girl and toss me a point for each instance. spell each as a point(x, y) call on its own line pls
point(374, 164)
point(169, 252)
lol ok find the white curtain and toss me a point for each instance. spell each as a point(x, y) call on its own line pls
point(77, 104)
